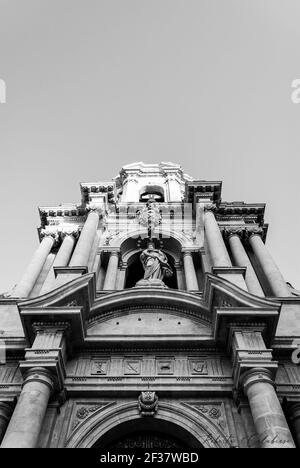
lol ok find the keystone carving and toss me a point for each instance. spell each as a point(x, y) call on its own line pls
point(148, 403)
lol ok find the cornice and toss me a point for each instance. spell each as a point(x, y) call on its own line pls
point(223, 304)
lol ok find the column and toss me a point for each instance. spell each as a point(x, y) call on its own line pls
point(111, 272)
point(269, 420)
point(216, 245)
point(5, 414)
point(251, 439)
point(35, 267)
point(83, 248)
point(64, 254)
point(62, 259)
point(179, 276)
point(241, 259)
point(173, 183)
point(190, 274)
point(121, 277)
point(276, 281)
point(131, 193)
point(294, 415)
point(26, 422)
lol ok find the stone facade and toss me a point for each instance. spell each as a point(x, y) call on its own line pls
point(194, 347)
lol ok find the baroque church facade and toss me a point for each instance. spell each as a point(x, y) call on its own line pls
point(151, 315)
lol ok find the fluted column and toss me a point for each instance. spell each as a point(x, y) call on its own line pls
point(241, 259)
point(111, 272)
point(276, 281)
point(85, 242)
point(294, 414)
point(5, 414)
point(35, 267)
point(216, 245)
point(189, 271)
point(269, 420)
point(26, 422)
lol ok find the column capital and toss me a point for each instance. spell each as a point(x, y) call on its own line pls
point(55, 327)
point(178, 265)
point(114, 253)
point(40, 374)
point(187, 253)
point(251, 232)
point(210, 207)
point(95, 208)
point(249, 352)
point(123, 265)
point(257, 375)
point(229, 232)
point(48, 351)
point(69, 232)
point(51, 234)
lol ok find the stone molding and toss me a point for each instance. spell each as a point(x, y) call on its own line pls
point(205, 430)
point(257, 375)
point(40, 374)
point(249, 352)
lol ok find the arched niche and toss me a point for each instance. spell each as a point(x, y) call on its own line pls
point(135, 270)
point(193, 428)
point(131, 250)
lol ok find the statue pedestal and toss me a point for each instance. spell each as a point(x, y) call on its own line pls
point(151, 283)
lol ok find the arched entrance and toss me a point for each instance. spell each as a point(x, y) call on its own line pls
point(147, 433)
point(174, 423)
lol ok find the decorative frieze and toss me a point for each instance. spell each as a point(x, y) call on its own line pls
point(149, 366)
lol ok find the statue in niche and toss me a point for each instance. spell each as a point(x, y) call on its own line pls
point(156, 267)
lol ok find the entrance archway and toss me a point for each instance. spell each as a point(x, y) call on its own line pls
point(147, 433)
point(174, 423)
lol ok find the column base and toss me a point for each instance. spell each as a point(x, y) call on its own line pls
point(76, 270)
point(235, 275)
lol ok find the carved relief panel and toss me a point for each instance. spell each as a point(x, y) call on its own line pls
point(150, 365)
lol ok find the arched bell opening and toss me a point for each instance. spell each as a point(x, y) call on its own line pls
point(147, 433)
point(152, 192)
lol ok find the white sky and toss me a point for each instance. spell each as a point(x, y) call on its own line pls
point(96, 84)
